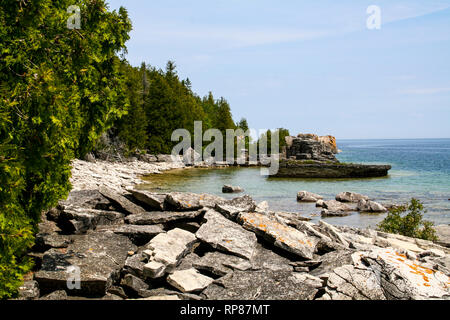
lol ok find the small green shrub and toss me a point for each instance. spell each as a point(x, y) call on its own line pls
point(411, 224)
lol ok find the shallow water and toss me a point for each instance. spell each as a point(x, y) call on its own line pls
point(420, 169)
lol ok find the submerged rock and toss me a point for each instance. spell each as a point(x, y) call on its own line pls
point(231, 189)
point(225, 235)
point(370, 206)
point(282, 236)
point(350, 197)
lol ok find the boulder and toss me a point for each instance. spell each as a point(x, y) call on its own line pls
point(336, 206)
point(231, 189)
point(265, 285)
point(133, 284)
point(189, 280)
point(157, 217)
point(245, 202)
point(80, 220)
point(220, 264)
point(282, 236)
point(306, 196)
point(370, 206)
point(122, 203)
point(154, 201)
point(319, 203)
point(166, 250)
point(327, 213)
point(99, 256)
point(225, 235)
point(90, 199)
point(350, 197)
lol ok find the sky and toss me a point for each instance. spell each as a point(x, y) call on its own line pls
point(308, 66)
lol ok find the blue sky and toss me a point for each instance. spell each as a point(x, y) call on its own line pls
point(309, 66)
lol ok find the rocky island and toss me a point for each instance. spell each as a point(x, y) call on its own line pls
point(311, 156)
point(111, 240)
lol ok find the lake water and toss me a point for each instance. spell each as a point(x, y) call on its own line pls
point(420, 169)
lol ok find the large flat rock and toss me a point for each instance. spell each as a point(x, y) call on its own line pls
point(155, 201)
point(282, 236)
point(166, 250)
point(225, 235)
point(99, 255)
point(156, 217)
point(191, 201)
point(189, 280)
point(260, 285)
point(119, 201)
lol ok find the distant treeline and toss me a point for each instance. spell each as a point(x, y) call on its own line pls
point(159, 102)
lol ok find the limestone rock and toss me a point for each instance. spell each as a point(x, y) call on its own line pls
point(133, 284)
point(138, 234)
point(284, 237)
point(231, 189)
point(220, 264)
point(370, 206)
point(190, 201)
point(306, 196)
point(191, 156)
point(225, 235)
point(121, 202)
point(166, 250)
point(189, 280)
point(403, 278)
point(265, 285)
point(80, 220)
point(153, 200)
point(99, 257)
point(157, 217)
point(350, 197)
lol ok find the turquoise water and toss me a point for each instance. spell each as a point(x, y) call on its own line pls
point(420, 169)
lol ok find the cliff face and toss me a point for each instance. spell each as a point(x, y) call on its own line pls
point(311, 147)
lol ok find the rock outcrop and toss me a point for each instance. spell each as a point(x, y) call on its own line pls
point(222, 249)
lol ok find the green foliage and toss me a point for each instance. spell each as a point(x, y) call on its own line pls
point(60, 89)
point(411, 224)
point(282, 133)
point(160, 103)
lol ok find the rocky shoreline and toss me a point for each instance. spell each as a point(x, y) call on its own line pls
point(109, 240)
